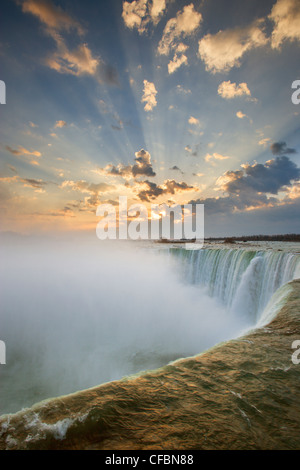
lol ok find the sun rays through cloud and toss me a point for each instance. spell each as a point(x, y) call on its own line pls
point(157, 100)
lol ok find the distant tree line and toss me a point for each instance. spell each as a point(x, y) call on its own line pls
point(289, 237)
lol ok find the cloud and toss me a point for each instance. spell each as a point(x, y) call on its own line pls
point(85, 187)
point(248, 189)
point(149, 96)
point(172, 186)
point(77, 62)
point(27, 182)
point(141, 167)
point(22, 151)
point(60, 124)
point(9, 179)
point(157, 9)
point(32, 124)
point(153, 191)
point(51, 15)
point(264, 141)
point(117, 170)
point(286, 17)
point(94, 190)
point(194, 153)
point(33, 183)
point(280, 148)
point(215, 156)
point(271, 177)
point(177, 61)
point(176, 168)
point(224, 50)
point(240, 115)
point(80, 60)
point(133, 14)
point(184, 24)
point(194, 121)
point(140, 13)
point(184, 91)
point(293, 192)
point(228, 90)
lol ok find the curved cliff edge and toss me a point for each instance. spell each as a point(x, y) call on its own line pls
point(242, 394)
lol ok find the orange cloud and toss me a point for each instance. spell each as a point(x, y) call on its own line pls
point(52, 16)
point(149, 96)
point(230, 90)
point(286, 17)
point(22, 151)
point(224, 50)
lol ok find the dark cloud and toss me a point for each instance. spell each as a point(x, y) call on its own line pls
point(280, 148)
point(176, 168)
point(250, 188)
point(143, 164)
point(33, 183)
point(168, 187)
point(172, 186)
point(142, 167)
point(152, 192)
point(268, 178)
point(12, 151)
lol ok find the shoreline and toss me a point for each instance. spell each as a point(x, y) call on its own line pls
point(286, 246)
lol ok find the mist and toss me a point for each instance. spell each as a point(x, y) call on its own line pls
point(75, 314)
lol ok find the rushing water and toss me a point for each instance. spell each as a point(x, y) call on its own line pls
point(243, 280)
point(75, 316)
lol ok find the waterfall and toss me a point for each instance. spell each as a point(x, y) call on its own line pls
point(86, 315)
point(242, 280)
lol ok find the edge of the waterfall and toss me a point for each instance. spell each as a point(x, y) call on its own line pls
point(234, 375)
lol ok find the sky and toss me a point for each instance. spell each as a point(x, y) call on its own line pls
point(161, 101)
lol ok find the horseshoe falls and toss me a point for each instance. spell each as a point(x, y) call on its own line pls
point(198, 342)
point(242, 280)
